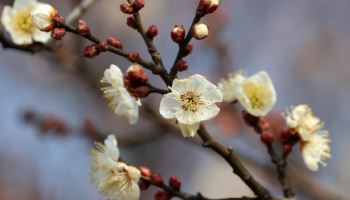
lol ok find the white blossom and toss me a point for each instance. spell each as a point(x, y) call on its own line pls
point(121, 102)
point(314, 140)
point(191, 101)
point(115, 179)
point(17, 21)
point(42, 16)
point(228, 86)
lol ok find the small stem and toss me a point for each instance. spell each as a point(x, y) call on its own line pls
point(157, 90)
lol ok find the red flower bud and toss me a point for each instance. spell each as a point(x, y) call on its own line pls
point(181, 65)
point(134, 56)
point(127, 8)
point(267, 137)
point(152, 31)
point(178, 34)
point(208, 6)
point(91, 51)
point(157, 179)
point(114, 42)
point(103, 46)
point(175, 183)
point(58, 19)
point(83, 28)
point(200, 31)
point(287, 149)
point(250, 120)
point(188, 49)
point(136, 74)
point(58, 33)
point(145, 171)
point(138, 4)
point(264, 124)
point(144, 185)
point(161, 195)
point(131, 22)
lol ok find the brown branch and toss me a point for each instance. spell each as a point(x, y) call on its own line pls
point(182, 47)
point(185, 196)
point(234, 162)
point(152, 50)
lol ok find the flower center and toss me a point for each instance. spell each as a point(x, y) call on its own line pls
point(258, 94)
point(22, 20)
point(191, 101)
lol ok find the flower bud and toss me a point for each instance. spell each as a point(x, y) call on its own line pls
point(145, 171)
point(144, 185)
point(161, 195)
point(250, 120)
point(157, 179)
point(178, 34)
point(136, 74)
point(103, 46)
point(134, 56)
point(131, 22)
point(152, 31)
point(208, 6)
point(138, 4)
point(264, 124)
point(127, 8)
point(91, 51)
point(83, 28)
point(200, 31)
point(58, 33)
point(114, 42)
point(175, 183)
point(267, 137)
point(141, 91)
point(43, 15)
point(181, 65)
point(188, 49)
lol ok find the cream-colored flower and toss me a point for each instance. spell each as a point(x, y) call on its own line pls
point(191, 101)
point(315, 150)
point(228, 86)
point(114, 179)
point(121, 102)
point(43, 15)
point(17, 20)
point(314, 140)
point(257, 94)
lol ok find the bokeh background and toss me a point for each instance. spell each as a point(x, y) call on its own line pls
point(303, 45)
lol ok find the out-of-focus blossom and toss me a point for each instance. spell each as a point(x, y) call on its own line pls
point(17, 20)
point(114, 179)
point(256, 93)
point(191, 101)
point(121, 102)
point(314, 140)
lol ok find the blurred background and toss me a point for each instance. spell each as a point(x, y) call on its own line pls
point(52, 108)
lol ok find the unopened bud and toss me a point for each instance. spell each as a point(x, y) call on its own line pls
point(91, 51)
point(178, 34)
point(103, 46)
point(134, 56)
point(161, 195)
point(141, 91)
point(152, 31)
point(175, 183)
point(200, 31)
point(138, 4)
point(58, 33)
point(144, 185)
point(83, 28)
point(188, 49)
point(157, 179)
point(208, 6)
point(145, 171)
point(131, 22)
point(287, 149)
point(250, 120)
point(181, 65)
point(114, 42)
point(136, 74)
point(59, 20)
point(127, 8)
point(267, 137)
point(264, 124)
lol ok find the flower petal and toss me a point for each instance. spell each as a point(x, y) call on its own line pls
point(169, 105)
point(40, 36)
point(206, 112)
point(18, 4)
point(6, 17)
point(189, 130)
